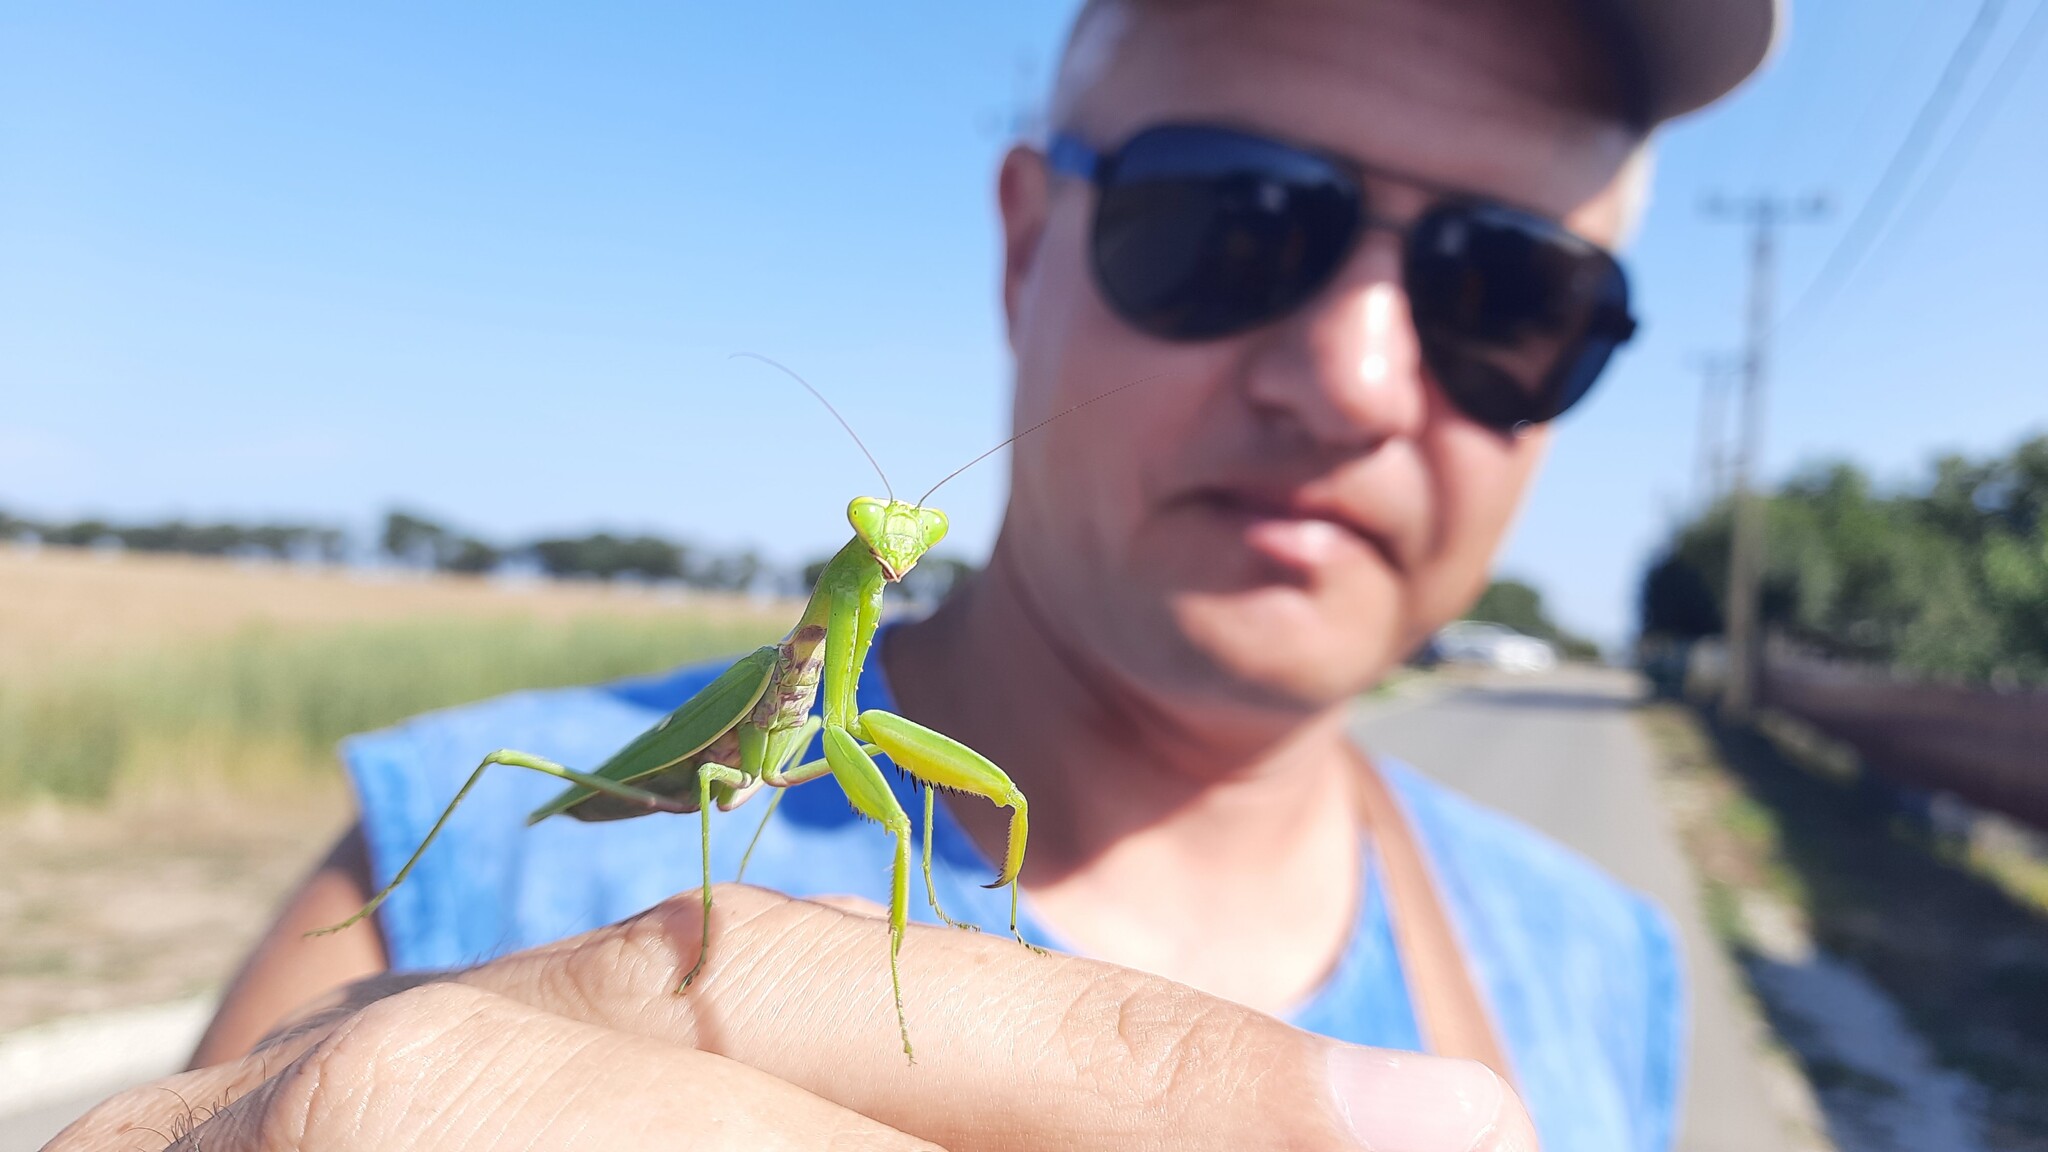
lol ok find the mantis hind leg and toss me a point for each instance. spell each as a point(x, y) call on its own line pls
point(935, 758)
point(654, 803)
point(741, 875)
point(707, 775)
point(931, 891)
point(776, 775)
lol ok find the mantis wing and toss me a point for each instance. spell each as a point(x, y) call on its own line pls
point(715, 710)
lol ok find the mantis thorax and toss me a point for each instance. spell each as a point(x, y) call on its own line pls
point(897, 534)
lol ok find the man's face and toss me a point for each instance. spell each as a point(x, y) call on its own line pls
point(1283, 514)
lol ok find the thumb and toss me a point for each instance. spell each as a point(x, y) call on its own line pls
point(1015, 1049)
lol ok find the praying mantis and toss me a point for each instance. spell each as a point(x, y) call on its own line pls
point(745, 729)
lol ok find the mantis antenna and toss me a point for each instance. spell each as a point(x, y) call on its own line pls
point(1028, 431)
point(820, 397)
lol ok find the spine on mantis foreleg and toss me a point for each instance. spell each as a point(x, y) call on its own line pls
point(1013, 851)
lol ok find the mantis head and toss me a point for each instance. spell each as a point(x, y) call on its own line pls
point(897, 534)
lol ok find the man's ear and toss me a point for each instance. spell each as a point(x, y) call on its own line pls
point(1022, 191)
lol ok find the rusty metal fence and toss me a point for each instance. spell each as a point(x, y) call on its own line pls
point(1988, 746)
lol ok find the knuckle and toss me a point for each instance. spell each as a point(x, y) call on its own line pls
point(677, 922)
point(300, 1030)
point(367, 1062)
point(438, 1004)
point(1156, 1047)
point(627, 968)
point(639, 950)
point(853, 906)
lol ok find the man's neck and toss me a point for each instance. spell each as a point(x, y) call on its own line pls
point(1186, 842)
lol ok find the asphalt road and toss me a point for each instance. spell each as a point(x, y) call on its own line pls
point(30, 1130)
point(1560, 752)
point(50, 1074)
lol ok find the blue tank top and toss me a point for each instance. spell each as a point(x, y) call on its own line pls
point(1580, 974)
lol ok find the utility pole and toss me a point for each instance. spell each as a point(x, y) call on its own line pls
point(1763, 214)
point(1710, 479)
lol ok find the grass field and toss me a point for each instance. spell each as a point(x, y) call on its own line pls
point(146, 676)
point(167, 729)
point(166, 738)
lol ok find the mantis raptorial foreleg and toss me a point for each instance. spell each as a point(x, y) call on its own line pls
point(654, 803)
point(937, 759)
point(804, 773)
point(862, 781)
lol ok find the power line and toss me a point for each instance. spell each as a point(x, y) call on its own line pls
point(1911, 39)
point(1866, 123)
point(1855, 242)
point(1956, 153)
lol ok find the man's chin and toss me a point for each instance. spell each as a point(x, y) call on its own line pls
point(1282, 646)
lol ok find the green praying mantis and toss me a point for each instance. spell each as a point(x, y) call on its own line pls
point(745, 728)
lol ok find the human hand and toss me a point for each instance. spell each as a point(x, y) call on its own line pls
point(788, 1039)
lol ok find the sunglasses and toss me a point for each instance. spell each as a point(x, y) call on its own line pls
point(1203, 232)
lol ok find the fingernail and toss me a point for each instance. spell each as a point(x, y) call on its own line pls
point(1403, 1102)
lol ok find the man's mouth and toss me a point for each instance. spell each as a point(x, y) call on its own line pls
point(1292, 529)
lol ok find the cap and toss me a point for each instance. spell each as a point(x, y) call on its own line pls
point(1693, 52)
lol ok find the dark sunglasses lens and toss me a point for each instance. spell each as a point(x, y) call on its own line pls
point(1202, 232)
point(1517, 316)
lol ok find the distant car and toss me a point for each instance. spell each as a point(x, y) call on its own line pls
point(1492, 646)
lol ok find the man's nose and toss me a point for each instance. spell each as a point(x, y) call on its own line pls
point(1347, 368)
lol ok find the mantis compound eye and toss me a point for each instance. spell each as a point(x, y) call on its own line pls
point(931, 525)
point(867, 515)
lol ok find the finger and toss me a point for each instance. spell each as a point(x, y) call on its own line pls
point(313, 1020)
point(1014, 1049)
point(172, 1107)
point(175, 1105)
point(454, 1067)
point(853, 906)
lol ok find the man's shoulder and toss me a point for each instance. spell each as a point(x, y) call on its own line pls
point(561, 715)
point(492, 884)
point(1578, 967)
point(405, 773)
point(1478, 843)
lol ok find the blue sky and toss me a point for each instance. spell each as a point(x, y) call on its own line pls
point(265, 261)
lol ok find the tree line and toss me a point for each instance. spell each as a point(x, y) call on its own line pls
point(1946, 577)
point(415, 540)
point(409, 538)
point(1520, 606)
point(285, 541)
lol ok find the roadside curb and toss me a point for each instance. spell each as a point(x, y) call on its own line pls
point(105, 1050)
point(1412, 692)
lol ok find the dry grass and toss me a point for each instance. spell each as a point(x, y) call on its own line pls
point(1962, 949)
point(166, 734)
point(61, 607)
point(138, 904)
point(162, 674)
